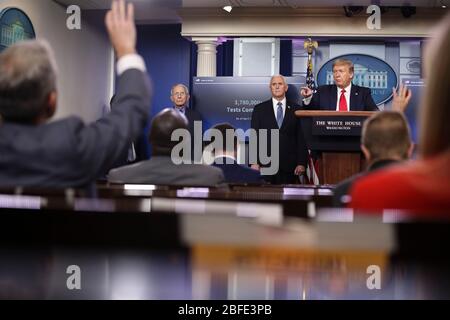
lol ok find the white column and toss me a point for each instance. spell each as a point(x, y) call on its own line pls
point(206, 56)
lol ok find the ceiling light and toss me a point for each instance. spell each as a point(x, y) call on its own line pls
point(228, 8)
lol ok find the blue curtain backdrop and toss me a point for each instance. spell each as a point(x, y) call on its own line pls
point(286, 58)
point(168, 59)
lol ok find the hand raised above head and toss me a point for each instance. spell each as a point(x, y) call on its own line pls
point(121, 28)
point(401, 98)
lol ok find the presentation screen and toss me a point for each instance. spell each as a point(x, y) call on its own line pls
point(232, 99)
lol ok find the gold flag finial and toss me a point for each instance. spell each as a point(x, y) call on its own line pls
point(310, 45)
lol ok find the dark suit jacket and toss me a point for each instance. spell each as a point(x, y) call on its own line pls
point(235, 173)
point(192, 115)
point(326, 99)
point(69, 153)
point(161, 170)
point(292, 143)
point(343, 188)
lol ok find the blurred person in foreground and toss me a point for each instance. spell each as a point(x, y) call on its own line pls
point(225, 158)
point(385, 140)
point(421, 186)
point(67, 152)
point(161, 168)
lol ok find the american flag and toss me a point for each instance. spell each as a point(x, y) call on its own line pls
point(312, 170)
point(313, 165)
point(310, 82)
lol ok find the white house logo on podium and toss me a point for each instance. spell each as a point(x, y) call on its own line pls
point(369, 72)
point(14, 26)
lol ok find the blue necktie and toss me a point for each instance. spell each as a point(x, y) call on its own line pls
point(181, 110)
point(279, 114)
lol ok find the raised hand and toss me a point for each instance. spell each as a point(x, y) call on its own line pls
point(121, 28)
point(401, 99)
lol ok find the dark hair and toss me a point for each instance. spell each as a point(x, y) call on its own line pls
point(161, 128)
point(222, 128)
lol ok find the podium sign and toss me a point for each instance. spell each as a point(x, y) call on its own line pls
point(336, 126)
point(336, 137)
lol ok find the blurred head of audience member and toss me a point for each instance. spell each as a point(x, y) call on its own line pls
point(422, 186)
point(226, 149)
point(27, 83)
point(161, 128)
point(225, 157)
point(386, 136)
point(385, 140)
point(166, 166)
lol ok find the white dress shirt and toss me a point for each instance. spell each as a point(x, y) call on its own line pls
point(307, 101)
point(130, 61)
point(346, 94)
point(275, 106)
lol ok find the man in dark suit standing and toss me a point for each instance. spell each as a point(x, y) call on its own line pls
point(225, 158)
point(179, 94)
point(278, 113)
point(341, 96)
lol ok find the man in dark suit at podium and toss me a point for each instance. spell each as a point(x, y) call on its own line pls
point(341, 96)
point(278, 113)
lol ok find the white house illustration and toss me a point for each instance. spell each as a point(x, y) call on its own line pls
point(13, 33)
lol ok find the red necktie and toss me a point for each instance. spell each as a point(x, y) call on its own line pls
point(343, 102)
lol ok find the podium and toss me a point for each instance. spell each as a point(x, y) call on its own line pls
point(336, 137)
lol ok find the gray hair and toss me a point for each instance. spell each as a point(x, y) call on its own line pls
point(277, 76)
point(27, 77)
point(186, 90)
